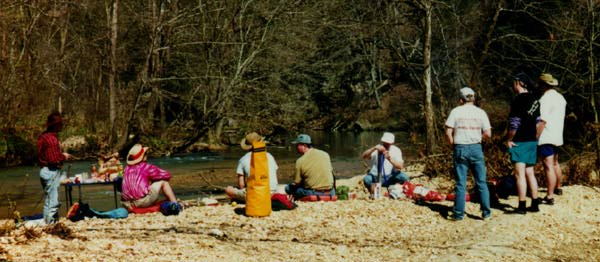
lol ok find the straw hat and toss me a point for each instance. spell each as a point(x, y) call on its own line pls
point(246, 143)
point(136, 154)
point(548, 79)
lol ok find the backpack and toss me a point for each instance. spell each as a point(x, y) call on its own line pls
point(506, 186)
point(281, 202)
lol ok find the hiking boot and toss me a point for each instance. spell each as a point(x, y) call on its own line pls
point(558, 191)
point(548, 201)
point(534, 205)
point(453, 218)
point(522, 208)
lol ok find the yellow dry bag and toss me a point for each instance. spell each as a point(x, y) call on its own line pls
point(258, 192)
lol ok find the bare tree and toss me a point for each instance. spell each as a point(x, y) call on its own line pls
point(428, 114)
point(114, 31)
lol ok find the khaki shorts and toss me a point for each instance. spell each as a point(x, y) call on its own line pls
point(240, 194)
point(149, 199)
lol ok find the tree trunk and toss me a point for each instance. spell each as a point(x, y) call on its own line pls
point(112, 75)
point(486, 48)
point(592, 70)
point(429, 117)
point(144, 77)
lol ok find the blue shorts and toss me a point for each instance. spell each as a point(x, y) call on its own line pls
point(524, 152)
point(547, 150)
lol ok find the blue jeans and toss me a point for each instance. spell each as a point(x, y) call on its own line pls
point(395, 178)
point(300, 192)
point(470, 157)
point(50, 182)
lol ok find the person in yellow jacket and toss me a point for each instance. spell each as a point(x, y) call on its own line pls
point(314, 172)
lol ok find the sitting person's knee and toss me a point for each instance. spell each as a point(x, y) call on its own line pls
point(368, 180)
point(230, 191)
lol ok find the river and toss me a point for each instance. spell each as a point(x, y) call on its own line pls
point(195, 175)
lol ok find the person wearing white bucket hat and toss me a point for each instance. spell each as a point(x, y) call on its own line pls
point(143, 183)
point(388, 159)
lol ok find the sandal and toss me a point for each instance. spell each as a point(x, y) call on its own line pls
point(558, 191)
point(548, 201)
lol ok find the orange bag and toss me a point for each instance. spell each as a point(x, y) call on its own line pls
point(258, 192)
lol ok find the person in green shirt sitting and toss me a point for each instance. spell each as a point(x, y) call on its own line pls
point(314, 172)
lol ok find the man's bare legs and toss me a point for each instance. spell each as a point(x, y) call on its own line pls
point(520, 171)
point(532, 181)
point(525, 176)
point(230, 191)
point(168, 192)
point(549, 169)
point(558, 172)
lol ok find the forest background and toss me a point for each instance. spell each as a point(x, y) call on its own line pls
point(183, 76)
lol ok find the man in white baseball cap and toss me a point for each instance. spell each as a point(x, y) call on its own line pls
point(466, 126)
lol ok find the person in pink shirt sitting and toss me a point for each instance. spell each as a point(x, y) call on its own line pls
point(143, 183)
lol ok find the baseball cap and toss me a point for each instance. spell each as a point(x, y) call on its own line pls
point(302, 139)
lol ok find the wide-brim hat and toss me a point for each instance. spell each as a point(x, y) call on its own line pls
point(54, 119)
point(388, 138)
point(136, 154)
point(548, 79)
point(250, 138)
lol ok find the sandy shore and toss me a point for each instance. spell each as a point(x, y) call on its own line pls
point(354, 230)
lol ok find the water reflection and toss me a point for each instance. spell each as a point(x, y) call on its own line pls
point(197, 173)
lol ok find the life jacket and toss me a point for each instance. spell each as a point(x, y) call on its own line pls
point(258, 192)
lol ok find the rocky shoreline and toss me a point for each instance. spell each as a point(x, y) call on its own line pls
point(353, 230)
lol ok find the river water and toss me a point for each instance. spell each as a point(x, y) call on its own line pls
point(194, 175)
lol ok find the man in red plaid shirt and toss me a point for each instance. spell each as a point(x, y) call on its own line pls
point(50, 158)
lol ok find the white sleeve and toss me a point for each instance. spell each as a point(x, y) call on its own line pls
point(485, 121)
point(271, 158)
point(397, 154)
point(240, 167)
point(450, 122)
point(545, 109)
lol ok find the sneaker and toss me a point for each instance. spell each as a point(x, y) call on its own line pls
point(486, 218)
point(558, 191)
point(452, 218)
